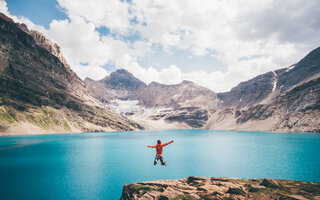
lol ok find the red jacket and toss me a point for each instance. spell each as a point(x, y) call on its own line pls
point(159, 147)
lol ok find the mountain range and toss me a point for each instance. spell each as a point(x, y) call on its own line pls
point(284, 100)
point(41, 94)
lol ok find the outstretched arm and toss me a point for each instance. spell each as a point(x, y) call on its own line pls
point(152, 146)
point(165, 144)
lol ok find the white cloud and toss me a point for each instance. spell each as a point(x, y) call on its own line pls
point(112, 14)
point(219, 81)
point(220, 26)
point(82, 44)
point(167, 75)
point(170, 75)
point(20, 19)
point(269, 33)
point(93, 72)
point(3, 7)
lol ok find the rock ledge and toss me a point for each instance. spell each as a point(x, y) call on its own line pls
point(191, 188)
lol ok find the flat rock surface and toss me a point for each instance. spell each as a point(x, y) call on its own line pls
point(191, 188)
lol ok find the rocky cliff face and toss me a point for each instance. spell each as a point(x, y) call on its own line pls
point(268, 86)
point(305, 70)
point(186, 103)
point(40, 91)
point(193, 188)
point(45, 43)
point(250, 92)
point(286, 100)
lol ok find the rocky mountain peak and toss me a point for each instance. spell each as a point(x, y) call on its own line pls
point(123, 71)
point(186, 82)
point(313, 58)
point(45, 43)
point(156, 84)
point(123, 79)
point(4, 17)
point(305, 70)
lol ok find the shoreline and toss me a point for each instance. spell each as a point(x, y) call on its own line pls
point(114, 131)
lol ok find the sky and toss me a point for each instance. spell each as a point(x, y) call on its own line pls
point(214, 43)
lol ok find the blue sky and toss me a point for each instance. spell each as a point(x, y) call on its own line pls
point(40, 12)
point(176, 56)
point(214, 43)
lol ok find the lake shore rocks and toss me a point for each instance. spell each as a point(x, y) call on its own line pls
point(210, 188)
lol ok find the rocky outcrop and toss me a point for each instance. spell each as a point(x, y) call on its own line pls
point(193, 188)
point(38, 88)
point(195, 117)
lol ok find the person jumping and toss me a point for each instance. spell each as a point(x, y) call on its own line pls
point(159, 147)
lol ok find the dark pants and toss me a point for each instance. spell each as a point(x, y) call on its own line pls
point(157, 158)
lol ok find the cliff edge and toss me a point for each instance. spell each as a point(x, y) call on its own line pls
point(192, 188)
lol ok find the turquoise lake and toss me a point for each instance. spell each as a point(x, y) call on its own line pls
point(96, 165)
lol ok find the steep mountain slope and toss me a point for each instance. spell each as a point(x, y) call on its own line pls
point(250, 92)
point(284, 100)
point(305, 70)
point(263, 86)
point(40, 93)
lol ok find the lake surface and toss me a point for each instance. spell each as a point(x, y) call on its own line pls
point(96, 165)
